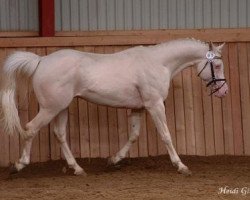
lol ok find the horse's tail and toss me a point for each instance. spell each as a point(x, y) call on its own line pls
point(17, 69)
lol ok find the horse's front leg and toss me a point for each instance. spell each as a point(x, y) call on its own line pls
point(157, 112)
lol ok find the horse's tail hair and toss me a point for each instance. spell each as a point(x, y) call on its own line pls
point(17, 69)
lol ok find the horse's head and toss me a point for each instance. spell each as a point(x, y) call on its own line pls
point(211, 70)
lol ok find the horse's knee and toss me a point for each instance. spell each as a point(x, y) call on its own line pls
point(60, 134)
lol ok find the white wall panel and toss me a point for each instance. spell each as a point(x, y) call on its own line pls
point(19, 15)
point(84, 15)
point(151, 14)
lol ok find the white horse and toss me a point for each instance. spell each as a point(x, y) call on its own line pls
point(137, 78)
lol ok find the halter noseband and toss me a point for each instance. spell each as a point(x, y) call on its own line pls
point(210, 56)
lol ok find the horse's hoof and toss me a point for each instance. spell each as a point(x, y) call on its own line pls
point(111, 165)
point(80, 172)
point(110, 161)
point(13, 169)
point(185, 171)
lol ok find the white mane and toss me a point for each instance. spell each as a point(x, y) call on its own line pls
point(181, 41)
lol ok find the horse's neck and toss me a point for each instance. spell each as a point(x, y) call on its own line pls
point(178, 55)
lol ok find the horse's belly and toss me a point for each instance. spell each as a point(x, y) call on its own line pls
point(122, 98)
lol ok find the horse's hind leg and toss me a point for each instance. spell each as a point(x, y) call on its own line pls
point(60, 131)
point(135, 124)
point(42, 118)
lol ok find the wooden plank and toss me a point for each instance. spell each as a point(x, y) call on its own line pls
point(93, 130)
point(122, 118)
point(16, 34)
point(122, 127)
point(170, 115)
point(235, 95)
point(218, 126)
point(189, 111)
point(14, 140)
point(227, 109)
point(132, 38)
point(179, 114)
point(143, 142)
point(208, 121)
point(22, 96)
point(44, 132)
point(55, 151)
point(32, 111)
point(198, 114)
point(94, 126)
point(152, 136)
point(103, 122)
point(134, 150)
point(245, 95)
point(84, 120)
point(74, 132)
point(84, 128)
point(168, 32)
point(4, 138)
point(112, 121)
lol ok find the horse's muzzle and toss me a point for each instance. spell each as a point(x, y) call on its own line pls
point(222, 91)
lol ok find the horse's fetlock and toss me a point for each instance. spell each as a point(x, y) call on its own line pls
point(72, 163)
point(132, 139)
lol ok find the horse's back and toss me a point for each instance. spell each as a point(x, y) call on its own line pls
point(97, 77)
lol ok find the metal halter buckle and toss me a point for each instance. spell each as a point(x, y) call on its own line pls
point(210, 56)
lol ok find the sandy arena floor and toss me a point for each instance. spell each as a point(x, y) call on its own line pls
point(143, 178)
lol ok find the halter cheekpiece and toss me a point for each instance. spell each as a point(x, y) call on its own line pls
point(210, 56)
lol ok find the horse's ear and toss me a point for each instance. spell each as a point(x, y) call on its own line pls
point(220, 47)
point(212, 47)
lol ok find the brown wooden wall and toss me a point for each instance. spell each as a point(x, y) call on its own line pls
point(200, 124)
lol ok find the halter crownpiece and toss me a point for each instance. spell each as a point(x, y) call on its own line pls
point(210, 56)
